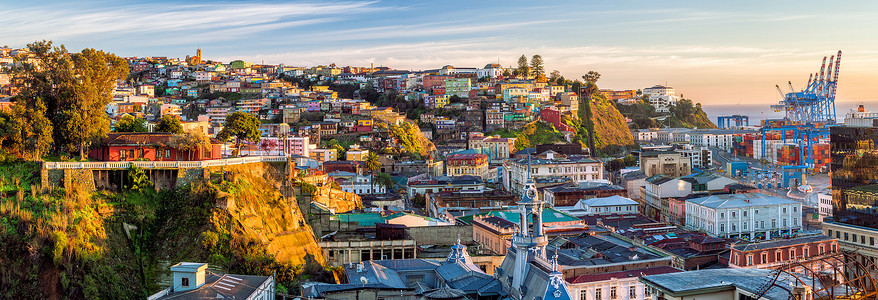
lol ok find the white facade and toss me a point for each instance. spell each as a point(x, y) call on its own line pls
point(824, 205)
point(661, 97)
point(491, 71)
point(579, 170)
point(644, 135)
point(361, 185)
point(721, 140)
point(701, 156)
point(744, 215)
point(670, 135)
point(601, 206)
point(626, 288)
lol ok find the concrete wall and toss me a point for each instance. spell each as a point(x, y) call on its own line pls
point(442, 235)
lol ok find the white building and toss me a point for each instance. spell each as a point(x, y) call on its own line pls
point(716, 138)
point(672, 135)
point(661, 97)
point(700, 156)
point(644, 135)
point(356, 183)
point(824, 205)
point(601, 206)
point(490, 71)
point(194, 280)
point(576, 167)
point(747, 216)
point(622, 285)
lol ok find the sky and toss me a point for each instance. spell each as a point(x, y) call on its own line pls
point(715, 52)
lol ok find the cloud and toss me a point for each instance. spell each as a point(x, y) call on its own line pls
point(26, 24)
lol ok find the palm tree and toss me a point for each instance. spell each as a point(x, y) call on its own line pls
point(372, 164)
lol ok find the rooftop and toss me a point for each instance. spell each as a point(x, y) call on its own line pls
point(623, 274)
point(740, 200)
point(702, 281)
point(778, 243)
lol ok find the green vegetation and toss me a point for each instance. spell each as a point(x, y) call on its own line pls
point(533, 134)
point(62, 99)
point(242, 126)
point(412, 140)
point(72, 243)
point(169, 123)
point(129, 123)
point(683, 114)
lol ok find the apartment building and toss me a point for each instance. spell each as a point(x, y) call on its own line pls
point(749, 216)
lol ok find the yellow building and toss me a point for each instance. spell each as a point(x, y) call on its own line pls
point(356, 154)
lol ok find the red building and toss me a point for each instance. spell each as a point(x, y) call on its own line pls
point(434, 81)
point(346, 166)
point(553, 116)
point(151, 146)
point(774, 253)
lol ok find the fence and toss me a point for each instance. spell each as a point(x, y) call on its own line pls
point(162, 164)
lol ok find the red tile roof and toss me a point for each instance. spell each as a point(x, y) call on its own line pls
point(623, 274)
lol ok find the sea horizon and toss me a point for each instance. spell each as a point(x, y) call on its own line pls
point(762, 111)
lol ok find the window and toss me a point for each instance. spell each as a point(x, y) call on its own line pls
point(583, 295)
point(804, 252)
point(761, 224)
point(597, 293)
point(792, 253)
point(830, 233)
point(756, 212)
point(632, 292)
point(773, 223)
point(733, 228)
point(845, 236)
point(795, 221)
point(184, 281)
point(871, 241)
point(862, 239)
point(123, 154)
point(750, 260)
point(722, 215)
point(778, 256)
point(820, 250)
point(733, 214)
point(647, 291)
point(784, 210)
point(745, 225)
point(613, 292)
point(854, 237)
point(722, 227)
point(784, 222)
point(764, 257)
point(745, 213)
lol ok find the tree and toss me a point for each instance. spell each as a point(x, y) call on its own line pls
point(74, 89)
point(373, 163)
point(242, 126)
point(190, 142)
point(591, 88)
point(169, 123)
point(28, 131)
point(554, 76)
point(522, 66)
point(506, 73)
point(268, 145)
point(127, 123)
point(385, 180)
point(536, 65)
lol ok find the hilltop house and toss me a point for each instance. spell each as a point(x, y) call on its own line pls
point(151, 146)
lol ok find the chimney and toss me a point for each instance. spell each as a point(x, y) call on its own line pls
point(188, 276)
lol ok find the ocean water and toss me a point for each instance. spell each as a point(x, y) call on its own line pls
point(759, 112)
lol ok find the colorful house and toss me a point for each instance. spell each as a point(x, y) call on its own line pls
point(150, 146)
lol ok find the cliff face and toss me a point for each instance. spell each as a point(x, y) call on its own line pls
point(71, 243)
point(610, 128)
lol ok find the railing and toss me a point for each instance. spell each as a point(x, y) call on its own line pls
point(162, 164)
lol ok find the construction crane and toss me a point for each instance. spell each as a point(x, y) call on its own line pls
point(815, 103)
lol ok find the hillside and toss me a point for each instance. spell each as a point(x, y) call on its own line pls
point(75, 243)
point(610, 129)
point(684, 114)
point(411, 140)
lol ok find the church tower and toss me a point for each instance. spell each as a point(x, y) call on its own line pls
point(530, 241)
